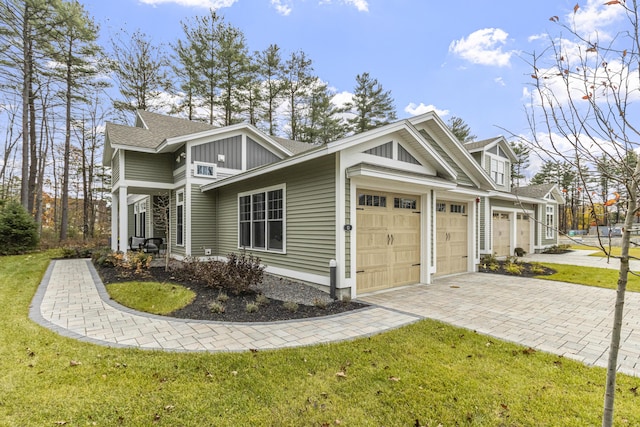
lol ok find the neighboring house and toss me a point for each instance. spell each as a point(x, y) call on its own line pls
point(397, 205)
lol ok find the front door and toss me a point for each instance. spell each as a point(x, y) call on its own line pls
point(388, 240)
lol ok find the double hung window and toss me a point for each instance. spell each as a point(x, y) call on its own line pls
point(261, 220)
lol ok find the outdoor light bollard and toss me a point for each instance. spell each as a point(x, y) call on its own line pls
point(333, 265)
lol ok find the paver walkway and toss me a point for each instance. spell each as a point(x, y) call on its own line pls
point(560, 318)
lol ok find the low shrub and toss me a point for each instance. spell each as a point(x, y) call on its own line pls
point(252, 307)
point(320, 303)
point(216, 307)
point(222, 297)
point(103, 257)
point(131, 264)
point(291, 306)
point(18, 231)
point(537, 268)
point(69, 252)
point(262, 299)
point(236, 275)
point(513, 268)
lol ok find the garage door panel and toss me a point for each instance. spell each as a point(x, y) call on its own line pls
point(523, 236)
point(501, 234)
point(388, 244)
point(452, 238)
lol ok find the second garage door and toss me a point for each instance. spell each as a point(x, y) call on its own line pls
point(452, 225)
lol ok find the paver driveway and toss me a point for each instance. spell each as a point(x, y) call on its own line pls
point(565, 319)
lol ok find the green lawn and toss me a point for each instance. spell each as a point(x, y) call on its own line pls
point(590, 276)
point(615, 250)
point(430, 372)
point(152, 297)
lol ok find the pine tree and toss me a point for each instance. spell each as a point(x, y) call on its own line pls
point(460, 129)
point(232, 72)
point(298, 80)
point(323, 122)
point(521, 164)
point(140, 70)
point(270, 68)
point(74, 48)
point(371, 107)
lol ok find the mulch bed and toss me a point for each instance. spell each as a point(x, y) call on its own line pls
point(527, 269)
point(235, 306)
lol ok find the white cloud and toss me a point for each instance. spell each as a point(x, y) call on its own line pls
point(361, 5)
point(592, 19)
point(537, 37)
point(207, 4)
point(483, 47)
point(340, 99)
point(500, 81)
point(284, 7)
point(416, 110)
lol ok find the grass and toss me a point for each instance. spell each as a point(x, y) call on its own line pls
point(615, 250)
point(590, 276)
point(427, 371)
point(151, 297)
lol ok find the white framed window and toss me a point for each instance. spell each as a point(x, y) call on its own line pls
point(140, 219)
point(261, 219)
point(206, 170)
point(549, 222)
point(180, 218)
point(457, 208)
point(498, 171)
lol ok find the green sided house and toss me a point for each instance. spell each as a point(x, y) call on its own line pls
point(397, 205)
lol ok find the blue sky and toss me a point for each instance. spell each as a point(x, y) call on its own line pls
point(463, 58)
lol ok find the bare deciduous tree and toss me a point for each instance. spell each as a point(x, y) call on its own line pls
point(582, 113)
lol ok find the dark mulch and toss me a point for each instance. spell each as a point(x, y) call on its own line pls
point(235, 306)
point(527, 269)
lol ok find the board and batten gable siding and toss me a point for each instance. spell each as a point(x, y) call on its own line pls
point(203, 226)
point(149, 167)
point(310, 216)
point(230, 148)
point(257, 155)
point(115, 168)
point(463, 178)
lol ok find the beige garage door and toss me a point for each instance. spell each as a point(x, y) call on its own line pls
point(501, 234)
point(523, 230)
point(452, 247)
point(388, 241)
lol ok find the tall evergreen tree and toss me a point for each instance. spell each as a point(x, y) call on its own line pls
point(140, 70)
point(297, 75)
point(25, 29)
point(371, 107)
point(270, 71)
point(233, 68)
point(186, 75)
point(460, 129)
point(75, 49)
point(199, 54)
point(323, 122)
point(521, 164)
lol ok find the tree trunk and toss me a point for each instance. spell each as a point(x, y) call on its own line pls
point(26, 79)
point(609, 397)
point(33, 148)
point(64, 220)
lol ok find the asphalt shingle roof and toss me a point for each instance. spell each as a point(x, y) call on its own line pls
point(538, 191)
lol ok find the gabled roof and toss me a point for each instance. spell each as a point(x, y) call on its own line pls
point(486, 144)
point(454, 148)
point(295, 147)
point(539, 191)
point(154, 133)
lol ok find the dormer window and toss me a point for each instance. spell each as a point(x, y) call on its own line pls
point(498, 168)
point(206, 170)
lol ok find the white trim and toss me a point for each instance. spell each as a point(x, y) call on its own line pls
point(180, 203)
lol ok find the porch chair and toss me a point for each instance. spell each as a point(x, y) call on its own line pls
point(149, 245)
